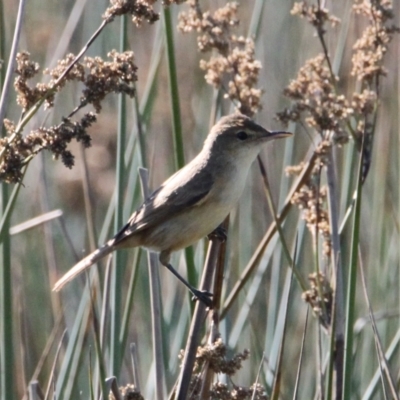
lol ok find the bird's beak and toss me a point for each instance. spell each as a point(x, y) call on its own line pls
point(277, 134)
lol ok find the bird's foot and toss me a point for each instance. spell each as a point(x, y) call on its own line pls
point(203, 296)
point(218, 233)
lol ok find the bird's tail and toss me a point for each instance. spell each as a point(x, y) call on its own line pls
point(83, 264)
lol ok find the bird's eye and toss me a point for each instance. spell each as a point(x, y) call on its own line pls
point(242, 135)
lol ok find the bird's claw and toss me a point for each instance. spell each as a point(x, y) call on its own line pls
point(218, 233)
point(203, 296)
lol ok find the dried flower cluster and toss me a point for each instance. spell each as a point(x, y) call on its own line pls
point(105, 77)
point(234, 67)
point(320, 298)
point(26, 96)
point(214, 356)
point(311, 200)
point(221, 391)
point(372, 46)
point(55, 139)
point(314, 93)
point(315, 14)
point(315, 100)
point(368, 68)
point(214, 30)
point(102, 78)
point(139, 9)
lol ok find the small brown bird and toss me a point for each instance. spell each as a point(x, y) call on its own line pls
point(192, 202)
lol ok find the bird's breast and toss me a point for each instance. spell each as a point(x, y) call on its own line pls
point(185, 228)
point(229, 185)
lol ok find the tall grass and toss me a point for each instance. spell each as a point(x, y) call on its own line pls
point(71, 344)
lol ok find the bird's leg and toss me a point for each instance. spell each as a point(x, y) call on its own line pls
point(219, 233)
point(202, 295)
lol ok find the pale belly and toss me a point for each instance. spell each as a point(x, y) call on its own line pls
point(184, 230)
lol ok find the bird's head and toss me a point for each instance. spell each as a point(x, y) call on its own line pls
point(239, 136)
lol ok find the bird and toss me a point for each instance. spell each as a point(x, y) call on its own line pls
point(194, 201)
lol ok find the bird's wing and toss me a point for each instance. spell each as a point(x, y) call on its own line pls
point(183, 190)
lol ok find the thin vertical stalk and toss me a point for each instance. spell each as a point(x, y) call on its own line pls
point(337, 273)
point(144, 107)
point(117, 273)
point(174, 93)
point(2, 46)
point(6, 323)
point(299, 368)
point(351, 293)
point(6, 83)
point(88, 200)
point(48, 235)
point(97, 333)
point(6, 330)
point(333, 358)
point(76, 337)
point(129, 299)
point(155, 296)
point(256, 18)
point(276, 386)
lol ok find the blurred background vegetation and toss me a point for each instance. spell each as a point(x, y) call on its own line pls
point(268, 316)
